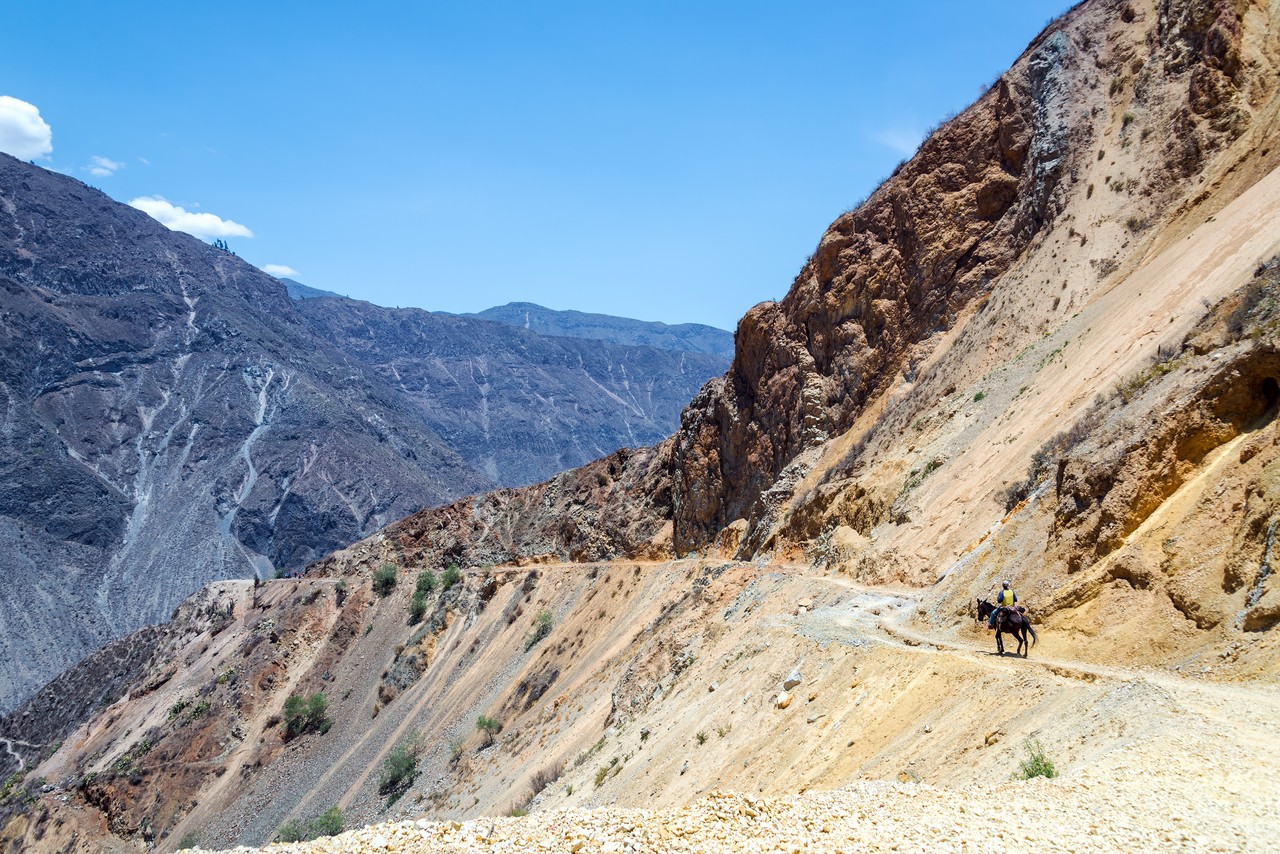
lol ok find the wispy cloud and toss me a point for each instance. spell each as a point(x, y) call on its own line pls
point(144, 161)
point(905, 141)
point(181, 219)
point(103, 166)
point(278, 270)
point(23, 133)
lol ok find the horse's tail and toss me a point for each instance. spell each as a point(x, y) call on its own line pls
point(1032, 632)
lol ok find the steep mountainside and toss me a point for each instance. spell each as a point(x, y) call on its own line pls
point(518, 406)
point(1046, 350)
point(690, 337)
point(171, 417)
point(299, 291)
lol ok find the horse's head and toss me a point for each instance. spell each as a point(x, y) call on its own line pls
point(984, 609)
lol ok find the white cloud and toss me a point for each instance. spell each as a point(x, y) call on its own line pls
point(905, 141)
point(144, 161)
point(181, 219)
point(22, 132)
point(279, 270)
point(103, 166)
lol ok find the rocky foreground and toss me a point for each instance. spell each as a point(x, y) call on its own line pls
point(1038, 815)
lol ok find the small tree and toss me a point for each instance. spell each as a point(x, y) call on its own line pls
point(384, 579)
point(451, 576)
point(417, 607)
point(541, 628)
point(489, 726)
point(426, 582)
point(398, 771)
point(303, 715)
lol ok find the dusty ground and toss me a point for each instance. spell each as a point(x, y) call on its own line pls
point(1148, 758)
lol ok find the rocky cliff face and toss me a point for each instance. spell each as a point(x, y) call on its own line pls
point(891, 278)
point(172, 417)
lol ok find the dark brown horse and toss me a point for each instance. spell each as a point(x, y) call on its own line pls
point(1011, 620)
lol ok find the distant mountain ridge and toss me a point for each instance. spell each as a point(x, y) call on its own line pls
point(172, 417)
point(299, 291)
point(691, 337)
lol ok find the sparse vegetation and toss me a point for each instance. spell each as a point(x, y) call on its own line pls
point(917, 476)
point(544, 777)
point(417, 607)
point(451, 576)
point(190, 839)
point(1036, 764)
point(127, 764)
point(591, 751)
point(384, 579)
point(1048, 454)
point(340, 592)
point(541, 628)
point(10, 785)
point(303, 715)
point(701, 737)
point(399, 769)
point(328, 823)
point(427, 583)
point(979, 397)
point(490, 727)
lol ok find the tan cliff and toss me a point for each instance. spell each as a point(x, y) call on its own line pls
point(1046, 350)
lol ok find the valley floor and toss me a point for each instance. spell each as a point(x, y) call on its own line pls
point(903, 736)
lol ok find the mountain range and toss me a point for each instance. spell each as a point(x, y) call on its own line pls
point(1045, 351)
point(173, 417)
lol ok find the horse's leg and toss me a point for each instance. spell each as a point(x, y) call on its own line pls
point(999, 641)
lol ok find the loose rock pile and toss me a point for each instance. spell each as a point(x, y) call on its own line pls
point(1040, 815)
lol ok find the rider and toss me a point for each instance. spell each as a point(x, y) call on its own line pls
point(1005, 599)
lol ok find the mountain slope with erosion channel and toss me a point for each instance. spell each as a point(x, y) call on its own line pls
point(1046, 350)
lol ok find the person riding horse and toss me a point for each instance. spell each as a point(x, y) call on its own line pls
point(1005, 599)
point(1008, 619)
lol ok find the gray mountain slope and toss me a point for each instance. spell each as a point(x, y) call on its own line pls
point(516, 405)
point(687, 337)
point(171, 417)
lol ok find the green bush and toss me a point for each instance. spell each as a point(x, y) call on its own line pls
point(451, 576)
point(489, 726)
point(417, 607)
point(340, 592)
point(292, 831)
point(328, 823)
point(384, 580)
point(427, 582)
point(398, 771)
point(189, 839)
point(303, 715)
point(541, 628)
point(1036, 764)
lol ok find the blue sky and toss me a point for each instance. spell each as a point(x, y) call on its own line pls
point(666, 161)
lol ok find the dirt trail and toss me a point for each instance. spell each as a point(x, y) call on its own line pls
point(881, 618)
point(1178, 762)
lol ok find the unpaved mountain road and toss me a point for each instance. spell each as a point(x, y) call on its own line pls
point(1179, 764)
